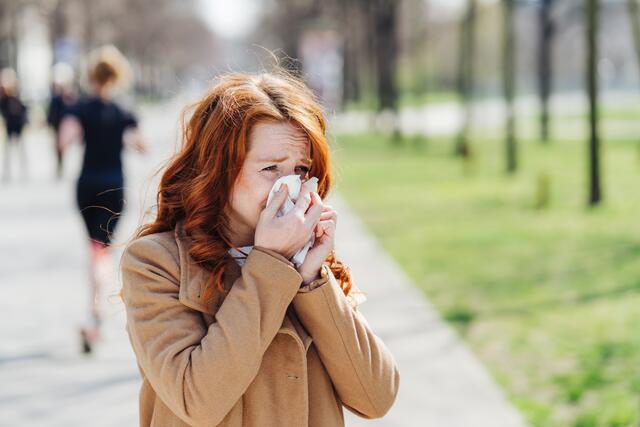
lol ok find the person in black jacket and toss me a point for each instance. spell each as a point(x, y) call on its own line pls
point(105, 127)
point(63, 97)
point(14, 114)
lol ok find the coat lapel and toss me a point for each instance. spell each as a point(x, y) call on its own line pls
point(192, 277)
point(193, 281)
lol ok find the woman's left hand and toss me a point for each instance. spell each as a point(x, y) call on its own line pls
point(325, 232)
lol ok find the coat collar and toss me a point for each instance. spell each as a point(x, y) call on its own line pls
point(193, 281)
point(193, 278)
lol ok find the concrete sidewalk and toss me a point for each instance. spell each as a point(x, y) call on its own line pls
point(46, 382)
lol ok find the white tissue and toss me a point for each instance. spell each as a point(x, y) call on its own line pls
point(294, 184)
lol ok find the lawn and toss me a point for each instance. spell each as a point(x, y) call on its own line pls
point(549, 299)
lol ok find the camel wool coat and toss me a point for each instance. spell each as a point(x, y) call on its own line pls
point(263, 352)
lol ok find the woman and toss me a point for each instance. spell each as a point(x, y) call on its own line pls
point(104, 127)
point(265, 343)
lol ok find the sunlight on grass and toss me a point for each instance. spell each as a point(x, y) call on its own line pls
point(548, 298)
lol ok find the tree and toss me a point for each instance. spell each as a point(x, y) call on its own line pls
point(386, 50)
point(9, 14)
point(592, 12)
point(289, 20)
point(357, 21)
point(466, 73)
point(634, 17)
point(350, 71)
point(508, 81)
point(545, 46)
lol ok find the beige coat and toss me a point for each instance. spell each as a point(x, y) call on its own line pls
point(266, 352)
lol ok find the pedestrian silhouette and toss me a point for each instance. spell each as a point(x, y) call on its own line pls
point(14, 114)
point(63, 98)
point(105, 127)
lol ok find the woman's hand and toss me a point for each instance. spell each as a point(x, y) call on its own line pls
point(70, 132)
point(287, 234)
point(134, 139)
point(325, 233)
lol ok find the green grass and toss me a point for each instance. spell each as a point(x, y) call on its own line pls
point(549, 299)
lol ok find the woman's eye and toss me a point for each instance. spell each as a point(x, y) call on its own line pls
point(299, 169)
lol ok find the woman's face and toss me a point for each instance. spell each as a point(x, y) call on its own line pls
point(275, 150)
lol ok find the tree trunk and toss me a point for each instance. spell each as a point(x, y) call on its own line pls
point(369, 49)
point(634, 18)
point(4, 47)
point(547, 32)
point(466, 73)
point(14, 13)
point(385, 27)
point(592, 15)
point(508, 80)
point(57, 26)
point(350, 70)
point(89, 22)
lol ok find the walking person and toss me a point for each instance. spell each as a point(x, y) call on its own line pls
point(14, 114)
point(229, 325)
point(105, 127)
point(63, 97)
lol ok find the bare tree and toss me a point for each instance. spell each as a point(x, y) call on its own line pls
point(466, 74)
point(9, 13)
point(634, 17)
point(288, 22)
point(5, 41)
point(350, 69)
point(357, 22)
point(508, 81)
point(386, 50)
point(592, 12)
point(545, 46)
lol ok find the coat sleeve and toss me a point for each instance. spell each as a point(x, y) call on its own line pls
point(362, 369)
point(200, 372)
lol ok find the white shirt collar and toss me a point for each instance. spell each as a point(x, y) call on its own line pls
point(240, 254)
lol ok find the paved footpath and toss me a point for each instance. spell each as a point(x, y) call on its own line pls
point(44, 381)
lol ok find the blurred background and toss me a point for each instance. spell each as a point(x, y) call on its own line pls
point(491, 148)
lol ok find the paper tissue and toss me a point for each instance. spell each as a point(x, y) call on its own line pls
point(294, 185)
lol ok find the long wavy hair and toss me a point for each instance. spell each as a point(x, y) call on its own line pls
point(197, 183)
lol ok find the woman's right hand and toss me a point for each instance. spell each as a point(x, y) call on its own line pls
point(289, 233)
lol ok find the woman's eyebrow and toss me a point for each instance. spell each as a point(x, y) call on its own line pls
point(306, 161)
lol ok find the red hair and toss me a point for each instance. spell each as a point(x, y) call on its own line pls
point(196, 185)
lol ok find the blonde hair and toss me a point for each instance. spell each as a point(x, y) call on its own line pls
point(108, 66)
